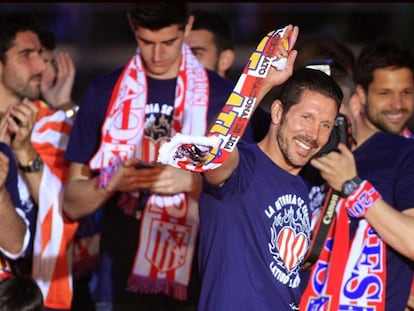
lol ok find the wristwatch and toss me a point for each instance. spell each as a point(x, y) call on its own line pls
point(34, 166)
point(350, 185)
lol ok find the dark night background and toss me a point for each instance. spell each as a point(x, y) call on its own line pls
point(99, 39)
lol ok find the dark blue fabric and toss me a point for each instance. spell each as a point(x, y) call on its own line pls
point(386, 160)
point(241, 265)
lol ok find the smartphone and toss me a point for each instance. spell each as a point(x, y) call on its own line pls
point(323, 65)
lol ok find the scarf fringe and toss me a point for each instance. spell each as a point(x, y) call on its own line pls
point(139, 284)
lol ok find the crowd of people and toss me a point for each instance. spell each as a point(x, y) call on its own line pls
point(91, 220)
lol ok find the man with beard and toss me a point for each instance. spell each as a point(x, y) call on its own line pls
point(384, 78)
point(384, 75)
point(255, 218)
point(366, 261)
point(35, 136)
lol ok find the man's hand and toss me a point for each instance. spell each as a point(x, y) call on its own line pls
point(336, 167)
point(158, 178)
point(60, 95)
point(21, 121)
point(277, 77)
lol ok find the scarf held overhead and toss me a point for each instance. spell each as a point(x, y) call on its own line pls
point(204, 153)
point(169, 223)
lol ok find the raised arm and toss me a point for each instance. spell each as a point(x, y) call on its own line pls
point(275, 78)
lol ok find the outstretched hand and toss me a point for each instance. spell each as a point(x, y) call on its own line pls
point(277, 76)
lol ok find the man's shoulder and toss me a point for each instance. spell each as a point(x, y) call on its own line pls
point(386, 138)
point(106, 80)
point(218, 83)
point(395, 146)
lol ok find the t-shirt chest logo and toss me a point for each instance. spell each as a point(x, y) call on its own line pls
point(158, 121)
point(292, 246)
point(289, 238)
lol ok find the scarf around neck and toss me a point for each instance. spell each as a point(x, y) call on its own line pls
point(169, 223)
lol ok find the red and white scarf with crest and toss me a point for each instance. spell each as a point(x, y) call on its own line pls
point(169, 223)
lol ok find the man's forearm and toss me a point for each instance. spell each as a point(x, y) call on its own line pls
point(83, 197)
point(12, 226)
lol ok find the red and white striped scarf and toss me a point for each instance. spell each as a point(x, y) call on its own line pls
point(349, 275)
point(169, 223)
point(54, 232)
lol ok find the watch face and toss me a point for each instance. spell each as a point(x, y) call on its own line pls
point(34, 166)
point(349, 187)
point(37, 165)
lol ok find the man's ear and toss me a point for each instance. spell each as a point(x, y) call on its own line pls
point(355, 105)
point(131, 23)
point(276, 112)
point(225, 61)
point(361, 94)
point(189, 25)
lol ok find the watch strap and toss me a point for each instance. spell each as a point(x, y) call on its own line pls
point(34, 165)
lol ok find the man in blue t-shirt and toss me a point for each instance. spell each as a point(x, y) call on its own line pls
point(370, 263)
point(254, 213)
point(150, 211)
point(384, 74)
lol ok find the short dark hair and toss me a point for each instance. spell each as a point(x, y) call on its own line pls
point(308, 79)
point(20, 293)
point(10, 25)
point(381, 53)
point(319, 46)
point(47, 39)
point(157, 15)
point(217, 25)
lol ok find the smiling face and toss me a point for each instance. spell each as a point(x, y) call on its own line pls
point(305, 129)
point(22, 71)
point(389, 100)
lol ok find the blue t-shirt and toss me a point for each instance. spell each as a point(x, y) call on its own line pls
point(386, 161)
point(254, 232)
point(119, 239)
